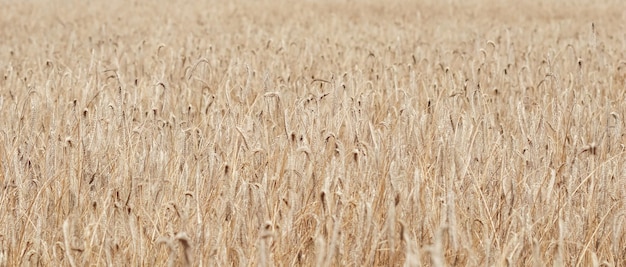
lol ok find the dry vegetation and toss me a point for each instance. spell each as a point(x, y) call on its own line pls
point(315, 133)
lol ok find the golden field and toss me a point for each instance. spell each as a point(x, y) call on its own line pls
point(312, 133)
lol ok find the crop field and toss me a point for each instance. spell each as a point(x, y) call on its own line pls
point(312, 133)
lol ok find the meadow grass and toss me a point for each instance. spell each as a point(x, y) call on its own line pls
point(312, 133)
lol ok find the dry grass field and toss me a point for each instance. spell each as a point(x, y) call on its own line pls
point(312, 133)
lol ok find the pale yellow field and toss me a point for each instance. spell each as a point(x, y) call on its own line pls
point(312, 133)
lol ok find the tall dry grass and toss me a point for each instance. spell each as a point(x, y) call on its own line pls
point(314, 133)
